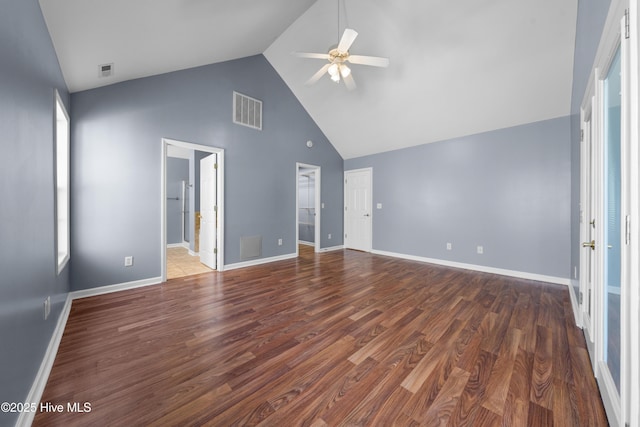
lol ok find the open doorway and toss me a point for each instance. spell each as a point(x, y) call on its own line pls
point(308, 206)
point(192, 209)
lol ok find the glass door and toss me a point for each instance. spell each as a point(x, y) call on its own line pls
point(611, 105)
point(612, 250)
point(609, 109)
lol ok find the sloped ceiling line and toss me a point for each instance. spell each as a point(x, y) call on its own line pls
point(457, 68)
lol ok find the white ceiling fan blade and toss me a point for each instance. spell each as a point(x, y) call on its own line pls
point(311, 55)
point(318, 74)
point(347, 39)
point(374, 61)
point(349, 82)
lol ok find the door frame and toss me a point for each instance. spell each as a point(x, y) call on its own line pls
point(317, 170)
point(589, 189)
point(163, 200)
point(621, 408)
point(634, 214)
point(346, 176)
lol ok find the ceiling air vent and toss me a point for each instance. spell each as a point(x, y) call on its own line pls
point(247, 111)
point(105, 70)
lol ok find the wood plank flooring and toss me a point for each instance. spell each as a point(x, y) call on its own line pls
point(340, 338)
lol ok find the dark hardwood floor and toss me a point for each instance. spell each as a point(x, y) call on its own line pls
point(341, 338)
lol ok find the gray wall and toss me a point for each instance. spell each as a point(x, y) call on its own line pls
point(507, 190)
point(116, 155)
point(591, 18)
point(29, 73)
point(177, 171)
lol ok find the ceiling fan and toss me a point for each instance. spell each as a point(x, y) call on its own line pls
point(338, 57)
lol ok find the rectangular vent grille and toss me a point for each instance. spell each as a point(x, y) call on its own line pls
point(247, 111)
point(250, 247)
point(105, 70)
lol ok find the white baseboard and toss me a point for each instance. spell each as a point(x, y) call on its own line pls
point(192, 253)
point(575, 306)
point(115, 288)
point(332, 248)
point(304, 242)
point(481, 268)
point(37, 388)
point(259, 261)
point(614, 290)
point(178, 245)
point(35, 394)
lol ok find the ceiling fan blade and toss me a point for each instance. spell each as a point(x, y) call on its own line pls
point(347, 39)
point(311, 55)
point(318, 74)
point(349, 82)
point(374, 61)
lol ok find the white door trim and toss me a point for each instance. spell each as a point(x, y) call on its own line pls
point(621, 408)
point(317, 170)
point(585, 311)
point(370, 207)
point(163, 200)
point(634, 214)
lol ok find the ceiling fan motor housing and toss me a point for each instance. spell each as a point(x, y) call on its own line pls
point(335, 56)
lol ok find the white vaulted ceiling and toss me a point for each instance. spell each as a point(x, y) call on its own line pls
point(148, 37)
point(457, 68)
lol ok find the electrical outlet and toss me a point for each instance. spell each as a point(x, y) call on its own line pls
point(47, 308)
point(575, 272)
point(128, 261)
point(279, 242)
point(379, 206)
point(480, 250)
point(322, 205)
point(448, 246)
point(329, 236)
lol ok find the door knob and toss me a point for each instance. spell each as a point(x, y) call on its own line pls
point(591, 244)
point(367, 215)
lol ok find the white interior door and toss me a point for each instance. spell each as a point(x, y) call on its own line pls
point(357, 209)
point(588, 229)
point(208, 211)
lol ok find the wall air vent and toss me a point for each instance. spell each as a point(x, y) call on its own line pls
point(247, 111)
point(250, 247)
point(105, 70)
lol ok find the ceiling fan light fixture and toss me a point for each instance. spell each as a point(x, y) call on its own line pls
point(344, 71)
point(334, 72)
point(338, 56)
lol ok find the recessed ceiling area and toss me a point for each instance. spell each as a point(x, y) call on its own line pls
point(456, 68)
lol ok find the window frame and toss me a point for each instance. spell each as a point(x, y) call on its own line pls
point(61, 133)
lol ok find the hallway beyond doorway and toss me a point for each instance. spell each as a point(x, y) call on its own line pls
point(180, 263)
